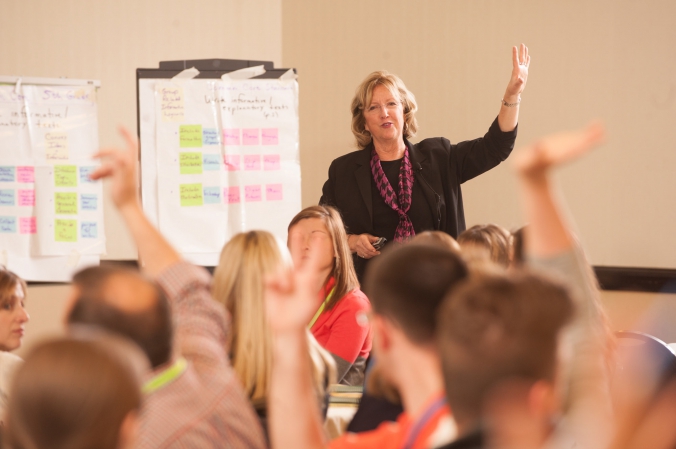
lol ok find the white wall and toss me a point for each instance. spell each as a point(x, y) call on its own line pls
point(109, 39)
point(611, 59)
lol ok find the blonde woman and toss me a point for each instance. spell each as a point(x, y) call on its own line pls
point(392, 188)
point(340, 323)
point(239, 279)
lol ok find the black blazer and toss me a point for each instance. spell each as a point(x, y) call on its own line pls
point(439, 166)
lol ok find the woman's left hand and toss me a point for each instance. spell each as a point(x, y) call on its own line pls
point(520, 64)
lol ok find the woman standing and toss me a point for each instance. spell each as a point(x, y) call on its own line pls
point(393, 189)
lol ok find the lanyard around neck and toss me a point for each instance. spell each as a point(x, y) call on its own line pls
point(165, 377)
point(321, 308)
point(422, 422)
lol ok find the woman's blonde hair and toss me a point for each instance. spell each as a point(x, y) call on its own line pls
point(363, 96)
point(343, 266)
point(239, 284)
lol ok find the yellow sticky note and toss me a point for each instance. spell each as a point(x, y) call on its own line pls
point(56, 146)
point(191, 195)
point(171, 103)
point(65, 176)
point(190, 136)
point(191, 163)
point(65, 230)
point(65, 203)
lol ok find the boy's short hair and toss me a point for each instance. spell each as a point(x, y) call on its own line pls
point(408, 283)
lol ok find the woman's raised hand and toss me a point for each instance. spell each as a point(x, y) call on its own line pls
point(520, 64)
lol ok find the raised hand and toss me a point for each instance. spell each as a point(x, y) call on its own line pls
point(520, 64)
point(556, 149)
point(121, 166)
point(291, 296)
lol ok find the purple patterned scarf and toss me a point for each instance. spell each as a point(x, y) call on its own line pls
point(401, 202)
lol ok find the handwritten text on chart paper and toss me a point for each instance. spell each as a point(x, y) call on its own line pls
point(172, 104)
point(65, 230)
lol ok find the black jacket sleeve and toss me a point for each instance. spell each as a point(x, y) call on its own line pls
point(474, 157)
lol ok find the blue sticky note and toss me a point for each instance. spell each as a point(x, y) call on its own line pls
point(211, 162)
point(89, 230)
point(212, 195)
point(8, 225)
point(7, 197)
point(89, 201)
point(7, 174)
point(210, 136)
point(84, 173)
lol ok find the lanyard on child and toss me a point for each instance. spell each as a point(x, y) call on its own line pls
point(422, 422)
point(321, 308)
point(165, 377)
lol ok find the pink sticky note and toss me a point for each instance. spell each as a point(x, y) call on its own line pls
point(250, 136)
point(252, 193)
point(252, 162)
point(26, 197)
point(273, 192)
point(270, 136)
point(231, 136)
point(25, 174)
point(231, 194)
point(271, 162)
point(231, 162)
point(27, 225)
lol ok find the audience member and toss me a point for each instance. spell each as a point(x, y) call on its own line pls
point(494, 328)
point(405, 285)
point(13, 317)
point(74, 394)
point(488, 242)
point(518, 258)
point(437, 238)
point(380, 401)
point(497, 329)
point(340, 324)
point(193, 398)
point(239, 282)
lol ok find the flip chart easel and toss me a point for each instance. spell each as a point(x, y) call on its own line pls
point(219, 151)
point(51, 215)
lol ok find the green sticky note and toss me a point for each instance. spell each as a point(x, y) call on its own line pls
point(191, 163)
point(65, 203)
point(65, 230)
point(190, 136)
point(191, 195)
point(65, 175)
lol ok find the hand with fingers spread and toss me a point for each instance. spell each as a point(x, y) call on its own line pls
point(556, 149)
point(121, 166)
point(362, 244)
point(520, 64)
point(509, 111)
